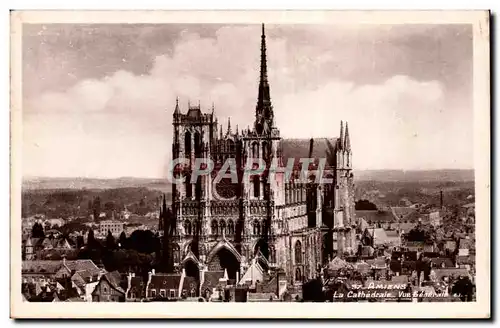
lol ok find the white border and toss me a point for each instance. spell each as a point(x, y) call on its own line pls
point(481, 308)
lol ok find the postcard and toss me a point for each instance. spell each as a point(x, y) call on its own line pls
point(250, 164)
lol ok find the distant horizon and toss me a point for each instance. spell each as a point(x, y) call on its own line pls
point(161, 178)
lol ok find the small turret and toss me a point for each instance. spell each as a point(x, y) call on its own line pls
point(347, 141)
point(177, 111)
point(228, 126)
point(341, 142)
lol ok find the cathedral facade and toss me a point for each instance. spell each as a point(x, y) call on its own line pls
point(286, 222)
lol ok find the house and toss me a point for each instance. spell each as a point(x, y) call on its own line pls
point(441, 262)
point(87, 270)
point(116, 227)
point(393, 238)
point(381, 237)
point(40, 270)
point(379, 218)
point(405, 227)
point(136, 289)
point(465, 246)
point(402, 213)
point(163, 285)
point(210, 283)
point(109, 289)
point(449, 273)
point(435, 218)
point(418, 246)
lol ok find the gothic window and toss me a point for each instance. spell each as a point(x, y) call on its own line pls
point(255, 150)
point(215, 228)
point(222, 226)
point(232, 146)
point(187, 144)
point(230, 227)
point(286, 193)
point(256, 187)
point(264, 150)
point(298, 252)
point(197, 145)
point(189, 190)
point(187, 227)
point(298, 275)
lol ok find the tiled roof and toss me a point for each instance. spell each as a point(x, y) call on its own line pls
point(41, 266)
point(84, 274)
point(114, 279)
point(87, 265)
point(376, 216)
point(392, 233)
point(403, 279)
point(469, 259)
point(443, 272)
point(165, 281)
point(439, 261)
point(406, 227)
point(362, 266)
point(299, 148)
point(466, 243)
point(337, 263)
point(403, 212)
point(189, 283)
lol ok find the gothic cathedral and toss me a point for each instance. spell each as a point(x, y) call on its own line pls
point(227, 225)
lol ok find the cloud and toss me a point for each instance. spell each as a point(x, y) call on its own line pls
point(120, 124)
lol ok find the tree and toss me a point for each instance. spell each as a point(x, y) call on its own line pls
point(365, 205)
point(91, 242)
point(464, 288)
point(97, 208)
point(122, 241)
point(110, 241)
point(37, 231)
point(143, 241)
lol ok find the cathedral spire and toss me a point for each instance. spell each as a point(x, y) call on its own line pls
point(341, 135)
point(347, 141)
point(220, 132)
point(264, 111)
point(228, 126)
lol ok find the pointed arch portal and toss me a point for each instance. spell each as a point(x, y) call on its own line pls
point(223, 258)
point(192, 269)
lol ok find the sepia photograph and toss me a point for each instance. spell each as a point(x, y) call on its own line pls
point(285, 159)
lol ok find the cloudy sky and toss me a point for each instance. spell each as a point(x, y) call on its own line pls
point(98, 99)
